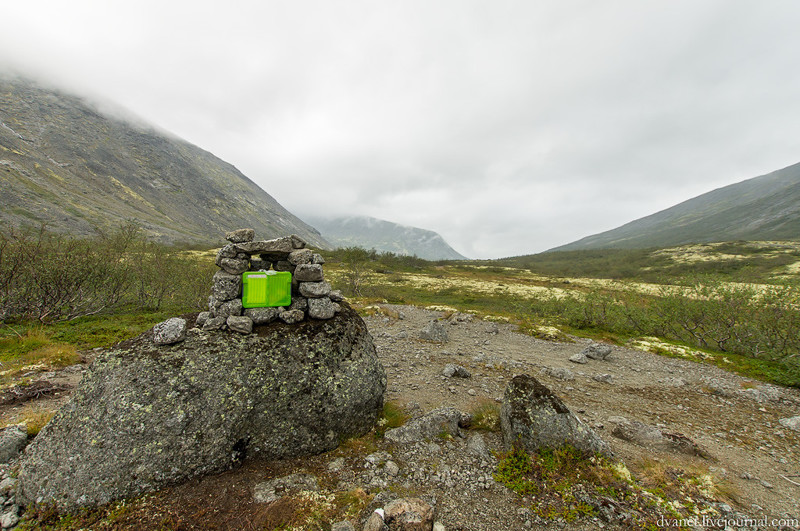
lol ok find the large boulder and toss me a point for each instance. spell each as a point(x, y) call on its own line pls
point(145, 416)
point(533, 417)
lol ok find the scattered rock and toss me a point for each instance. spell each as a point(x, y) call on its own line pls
point(214, 323)
point(336, 465)
point(603, 378)
point(225, 286)
point(146, 416)
point(375, 522)
point(201, 319)
point(9, 519)
point(596, 351)
point(271, 490)
point(492, 328)
point(301, 256)
point(322, 308)
point(436, 423)
point(308, 273)
point(378, 458)
point(391, 468)
point(292, 316)
point(240, 323)
point(262, 315)
point(315, 290)
point(650, 436)
point(534, 417)
point(12, 440)
point(343, 526)
point(477, 446)
point(434, 331)
point(170, 331)
point(579, 358)
point(559, 373)
point(233, 307)
point(240, 235)
point(336, 295)
point(412, 514)
point(455, 371)
point(791, 422)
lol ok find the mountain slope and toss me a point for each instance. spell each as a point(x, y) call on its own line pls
point(761, 208)
point(66, 164)
point(372, 233)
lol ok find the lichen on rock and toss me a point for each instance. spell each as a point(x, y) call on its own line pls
point(146, 416)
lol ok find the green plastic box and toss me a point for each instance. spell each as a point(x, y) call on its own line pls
point(262, 289)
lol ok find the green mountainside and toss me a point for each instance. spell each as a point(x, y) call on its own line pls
point(372, 233)
point(761, 208)
point(68, 165)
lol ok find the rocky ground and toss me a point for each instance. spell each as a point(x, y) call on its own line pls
point(693, 417)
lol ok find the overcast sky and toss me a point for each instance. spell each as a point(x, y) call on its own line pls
point(509, 127)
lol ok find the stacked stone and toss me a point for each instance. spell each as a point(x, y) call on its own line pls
point(312, 297)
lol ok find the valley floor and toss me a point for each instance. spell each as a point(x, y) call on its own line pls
point(750, 462)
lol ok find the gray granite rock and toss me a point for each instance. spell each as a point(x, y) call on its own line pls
point(262, 315)
point(240, 323)
point(170, 331)
point(314, 290)
point(240, 235)
point(308, 273)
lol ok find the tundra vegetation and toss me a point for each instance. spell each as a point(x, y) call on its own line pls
point(733, 304)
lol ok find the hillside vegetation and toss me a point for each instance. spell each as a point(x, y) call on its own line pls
point(761, 208)
point(65, 163)
point(735, 305)
point(739, 311)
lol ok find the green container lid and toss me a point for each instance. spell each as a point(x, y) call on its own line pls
point(261, 289)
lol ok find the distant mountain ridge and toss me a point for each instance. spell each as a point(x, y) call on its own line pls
point(67, 164)
point(761, 208)
point(381, 235)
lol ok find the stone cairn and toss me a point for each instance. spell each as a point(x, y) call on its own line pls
point(311, 295)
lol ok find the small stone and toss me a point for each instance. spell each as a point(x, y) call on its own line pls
point(434, 331)
point(597, 351)
point(322, 308)
point(299, 303)
point(791, 422)
point(228, 251)
point(201, 319)
point(170, 331)
point(766, 484)
point(257, 264)
point(308, 273)
point(274, 489)
point(241, 324)
point(391, 468)
point(412, 514)
point(336, 465)
point(472, 392)
point(240, 235)
point(214, 323)
point(377, 458)
point(262, 315)
point(12, 440)
point(301, 256)
point(455, 371)
point(375, 522)
point(297, 241)
point(492, 328)
point(292, 316)
point(438, 526)
point(559, 373)
point(336, 296)
point(226, 309)
point(234, 266)
point(225, 286)
point(314, 290)
point(579, 358)
point(477, 446)
point(278, 245)
point(343, 526)
point(317, 259)
point(284, 265)
point(9, 519)
point(603, 378)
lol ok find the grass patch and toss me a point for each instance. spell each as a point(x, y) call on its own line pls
point(485, 414)
point(567, 484)
point(35, 350)
point(393, 416)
